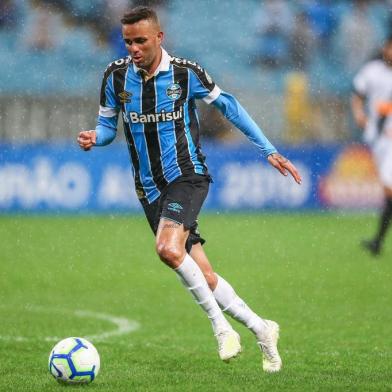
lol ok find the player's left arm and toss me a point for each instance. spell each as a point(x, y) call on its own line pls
point(237, 115)
point(203, 87)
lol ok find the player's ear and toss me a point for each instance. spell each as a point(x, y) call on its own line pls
point(160, 37)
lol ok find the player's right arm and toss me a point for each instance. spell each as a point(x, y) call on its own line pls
point(109, 108)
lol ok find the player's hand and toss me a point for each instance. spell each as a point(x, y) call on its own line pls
point(87, 139)
point(279, 162)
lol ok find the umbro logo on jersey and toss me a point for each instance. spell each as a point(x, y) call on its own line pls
point(139, 193)
point(125, 97)
point(163, 116)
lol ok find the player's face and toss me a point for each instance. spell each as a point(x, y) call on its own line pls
point(143, 40)
point(387, 53)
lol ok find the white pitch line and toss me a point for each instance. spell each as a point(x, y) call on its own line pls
point(9, 338)
point(123, 325)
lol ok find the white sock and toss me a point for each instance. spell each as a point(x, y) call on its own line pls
point(194, 280)
point(233, 305)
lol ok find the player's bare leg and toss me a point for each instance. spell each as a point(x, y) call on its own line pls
point(170, 246)
point(374, 246)
point(198, 254)
point(266, 331)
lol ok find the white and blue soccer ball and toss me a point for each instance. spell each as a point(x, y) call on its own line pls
point(74, 360)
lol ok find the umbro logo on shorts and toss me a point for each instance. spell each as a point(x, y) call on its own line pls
point(174, 207)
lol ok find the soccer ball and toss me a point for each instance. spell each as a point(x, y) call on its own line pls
point(74, 360)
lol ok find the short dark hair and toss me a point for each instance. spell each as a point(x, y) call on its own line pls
point(139, 13)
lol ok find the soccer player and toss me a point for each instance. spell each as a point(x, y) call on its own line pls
point(372, 111)
point(156, 95)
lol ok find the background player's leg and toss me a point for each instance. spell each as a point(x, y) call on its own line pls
point(170, 245)
point(385, 219)
point(383, 157)
point(375, 245)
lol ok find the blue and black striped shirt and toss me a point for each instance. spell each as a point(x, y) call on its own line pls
point(160, 119)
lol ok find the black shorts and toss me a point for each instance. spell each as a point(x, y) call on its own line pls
point(180, 202)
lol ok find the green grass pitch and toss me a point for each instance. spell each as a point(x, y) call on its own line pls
point(332, 301)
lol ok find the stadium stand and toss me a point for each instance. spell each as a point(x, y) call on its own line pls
point(59, 48)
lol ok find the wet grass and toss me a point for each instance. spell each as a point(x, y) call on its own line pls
point(331, 299)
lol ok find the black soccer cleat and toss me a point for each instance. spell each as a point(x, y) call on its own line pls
point(371, 246)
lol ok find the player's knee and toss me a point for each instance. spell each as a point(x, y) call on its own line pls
point(211, 279)
point(170, 254)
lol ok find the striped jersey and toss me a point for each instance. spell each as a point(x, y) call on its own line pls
point(160, 118)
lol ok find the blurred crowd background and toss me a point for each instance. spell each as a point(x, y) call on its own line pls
point(290, 63)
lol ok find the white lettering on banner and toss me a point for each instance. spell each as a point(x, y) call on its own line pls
point(255, 185)
point(116, 190)
point(74, 185)
point(13, 180)
point(31, 185)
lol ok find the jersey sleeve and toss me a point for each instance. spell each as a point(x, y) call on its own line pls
point(361, 82)
point(237, 115)
point(109, 105)
point(202, 86)
point(109, 109)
